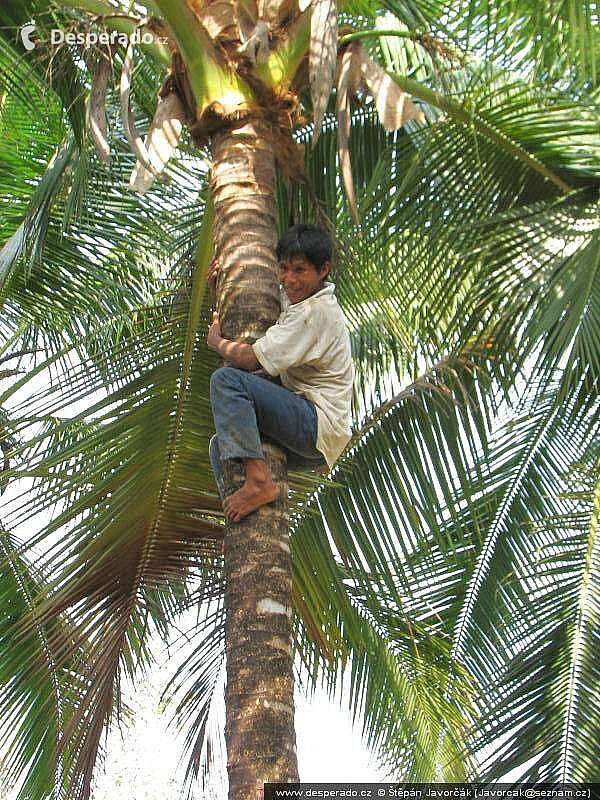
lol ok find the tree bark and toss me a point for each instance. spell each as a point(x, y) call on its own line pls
point(259, 732)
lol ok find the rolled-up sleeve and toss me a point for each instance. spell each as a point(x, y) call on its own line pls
point(287, 344)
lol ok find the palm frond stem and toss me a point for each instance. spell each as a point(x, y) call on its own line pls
point(209, 80)
point(461, 114)
point(122, 23)
point(583, 625)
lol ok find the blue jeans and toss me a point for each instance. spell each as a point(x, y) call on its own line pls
point(245, 406)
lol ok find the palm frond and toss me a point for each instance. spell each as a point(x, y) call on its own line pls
point(557, 43)
point(195, 687)
point(79, 247)
point(358, 534)
point(530, 126)
point(434, 206)
point(530, 644)
point(469, 543)
point(34, 697)
point(129, 527)
point(547, 261)
point(54, 67)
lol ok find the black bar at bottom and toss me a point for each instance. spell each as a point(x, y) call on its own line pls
point(434, 791)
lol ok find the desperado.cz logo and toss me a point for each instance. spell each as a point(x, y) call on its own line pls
point(90, 38)
point(26, 32)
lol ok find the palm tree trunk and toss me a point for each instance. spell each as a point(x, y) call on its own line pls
point(259, 697)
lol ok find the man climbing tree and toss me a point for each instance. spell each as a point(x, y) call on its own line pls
point(309, 350)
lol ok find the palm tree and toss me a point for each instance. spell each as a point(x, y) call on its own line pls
point(428, 559)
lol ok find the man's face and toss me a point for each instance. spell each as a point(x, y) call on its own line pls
point(300, 279)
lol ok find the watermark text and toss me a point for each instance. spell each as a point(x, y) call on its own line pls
point(91, 38)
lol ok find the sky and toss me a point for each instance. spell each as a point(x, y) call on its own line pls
point(141, 762)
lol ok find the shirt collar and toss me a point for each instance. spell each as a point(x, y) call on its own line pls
point(328, 289)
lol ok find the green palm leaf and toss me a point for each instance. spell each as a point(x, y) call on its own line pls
point(557, 42)
point(383, 503)
point(54, 68)
point(129, 532)
point(534, 642)
point(554, 272)
point(34, 693)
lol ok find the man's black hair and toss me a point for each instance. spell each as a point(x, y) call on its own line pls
point(309, 241)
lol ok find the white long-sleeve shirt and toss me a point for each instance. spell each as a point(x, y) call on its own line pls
point(309, 348)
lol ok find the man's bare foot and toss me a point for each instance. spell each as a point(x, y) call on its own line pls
point(258, 490)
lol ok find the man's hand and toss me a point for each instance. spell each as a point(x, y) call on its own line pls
point(211, 277)
point(214, 333)
point(238, 354)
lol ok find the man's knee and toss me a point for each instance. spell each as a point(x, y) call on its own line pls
point(222, 378)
